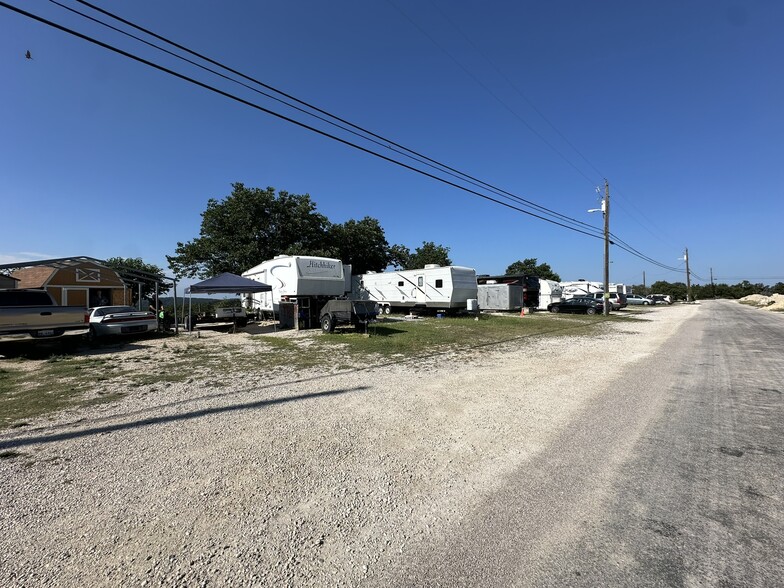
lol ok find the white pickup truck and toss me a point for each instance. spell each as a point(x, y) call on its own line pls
point(31, 315)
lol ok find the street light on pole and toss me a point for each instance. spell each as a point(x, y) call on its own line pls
point(605, 210)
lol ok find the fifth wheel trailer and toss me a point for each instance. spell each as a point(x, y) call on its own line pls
point(433, 287)
point(309, 281)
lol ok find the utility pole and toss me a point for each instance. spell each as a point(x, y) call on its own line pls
point(606, 210)
point(643, 282)
point(713, 286)
point(688, 277)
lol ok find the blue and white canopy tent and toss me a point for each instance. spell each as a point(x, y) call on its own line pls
point(225, 283)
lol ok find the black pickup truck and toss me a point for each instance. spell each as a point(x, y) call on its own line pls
point(347, 312)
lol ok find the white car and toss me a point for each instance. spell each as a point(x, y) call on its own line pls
point(120, 320)
point(660, 298)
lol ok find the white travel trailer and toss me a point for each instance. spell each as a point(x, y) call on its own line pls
point(586, 288)
point(580, 288)
point(296, 277)
point(434, 287)
point(549, 292)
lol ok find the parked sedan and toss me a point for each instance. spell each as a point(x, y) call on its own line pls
point(636, 299)
point(581, 304)
point(120, 320)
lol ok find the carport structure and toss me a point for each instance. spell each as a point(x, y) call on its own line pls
point(86, 281)
point(225, 283)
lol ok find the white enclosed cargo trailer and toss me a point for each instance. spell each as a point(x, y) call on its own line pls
point(494, 296)
point(295, 277)
point(433, 287)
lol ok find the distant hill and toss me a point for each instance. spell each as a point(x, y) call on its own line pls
point(195, 301)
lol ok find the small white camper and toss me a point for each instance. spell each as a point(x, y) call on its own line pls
point(295, 277)
point(549, 292)
point(433, 287)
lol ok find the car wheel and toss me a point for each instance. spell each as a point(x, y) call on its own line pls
point(92, 336)
point(646, 303)
point(590, 311)
point(555, 309)
point(326, 324)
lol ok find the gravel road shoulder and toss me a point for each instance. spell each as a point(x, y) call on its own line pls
point(293, 479)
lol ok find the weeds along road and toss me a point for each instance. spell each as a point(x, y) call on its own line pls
point(672, 477)
point(648, 453)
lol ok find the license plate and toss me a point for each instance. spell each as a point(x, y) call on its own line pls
point(46, 333)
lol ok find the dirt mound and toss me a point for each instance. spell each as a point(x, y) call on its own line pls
point(772, 302)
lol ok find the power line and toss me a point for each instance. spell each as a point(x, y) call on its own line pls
point(286, 118)
point(505, 194)
point(493, 94)
point(618, 202)
point(371, 136)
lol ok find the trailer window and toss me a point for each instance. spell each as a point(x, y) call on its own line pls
point(439, 283)
point(420, 281)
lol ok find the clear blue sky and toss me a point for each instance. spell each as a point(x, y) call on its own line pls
point(677, 104)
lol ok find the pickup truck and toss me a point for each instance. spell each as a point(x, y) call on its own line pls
point(31, 315)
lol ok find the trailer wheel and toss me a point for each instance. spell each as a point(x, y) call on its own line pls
point(327, 324)
point(387, 310)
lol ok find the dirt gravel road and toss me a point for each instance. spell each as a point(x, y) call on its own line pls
point(316, 479)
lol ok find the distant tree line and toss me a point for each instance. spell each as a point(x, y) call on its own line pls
point(252, 225)
point(677, 290)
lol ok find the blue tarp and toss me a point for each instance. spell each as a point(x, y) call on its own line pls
point(227, 283)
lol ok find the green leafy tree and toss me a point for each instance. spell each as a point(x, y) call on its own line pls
point(360, 243)
point(529, 267)
point(134, 271)
point(428, 253)
point(399, 256)
point(778, 288)
point(249, 226)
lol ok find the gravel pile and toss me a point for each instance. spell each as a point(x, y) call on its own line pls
point(310, 480)
point(772, 302)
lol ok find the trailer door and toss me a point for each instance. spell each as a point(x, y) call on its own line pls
point(420, 291)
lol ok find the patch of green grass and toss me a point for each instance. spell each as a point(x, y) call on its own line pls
point(430, 335)
point(59, 382)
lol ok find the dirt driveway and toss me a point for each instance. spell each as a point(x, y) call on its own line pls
point(301, 477)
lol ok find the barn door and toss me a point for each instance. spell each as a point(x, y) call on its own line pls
point(75, 297)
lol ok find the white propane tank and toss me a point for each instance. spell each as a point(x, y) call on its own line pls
point(472, 305)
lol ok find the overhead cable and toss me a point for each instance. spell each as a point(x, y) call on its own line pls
point(289, 119)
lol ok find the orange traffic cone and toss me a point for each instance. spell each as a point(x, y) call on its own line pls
point(522, 311)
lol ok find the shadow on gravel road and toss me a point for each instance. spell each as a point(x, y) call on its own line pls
point(21, 442)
